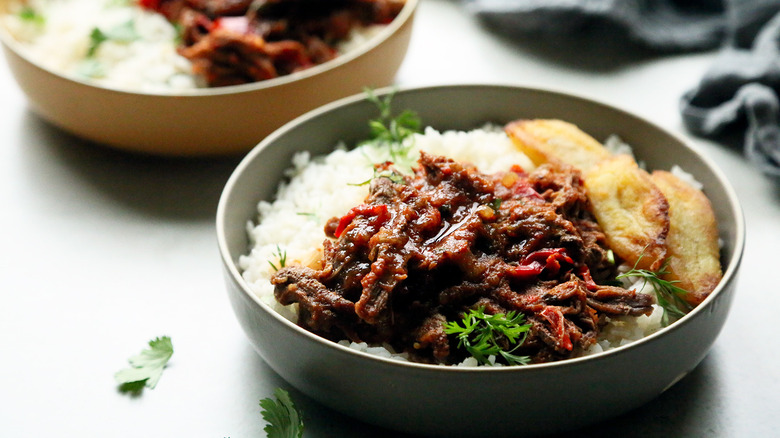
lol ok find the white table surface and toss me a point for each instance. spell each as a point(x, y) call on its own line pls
point(101, 251)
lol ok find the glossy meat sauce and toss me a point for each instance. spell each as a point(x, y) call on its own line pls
point(424, 248)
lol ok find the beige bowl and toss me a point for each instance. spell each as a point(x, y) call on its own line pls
point(462, 402)
point(217, 121)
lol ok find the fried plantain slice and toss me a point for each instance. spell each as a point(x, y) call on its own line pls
point(692, 243)
point(552, 140)
point(631, 210)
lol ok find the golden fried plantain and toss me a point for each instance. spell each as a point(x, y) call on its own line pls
point(552, 140)
point(631, 210)
point(692, 243)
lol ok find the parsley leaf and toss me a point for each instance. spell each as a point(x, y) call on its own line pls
point(146, 367)
point(96, 38)
point(124, 33)
point(668, 295)
point(284, 420)
point(31, 15)
point(484, 335)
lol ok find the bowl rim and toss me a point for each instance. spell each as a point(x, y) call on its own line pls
point(729, 271)
point(406, 13)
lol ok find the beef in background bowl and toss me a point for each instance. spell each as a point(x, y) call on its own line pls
point(430, 399)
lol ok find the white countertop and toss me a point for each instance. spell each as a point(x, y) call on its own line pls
point(103, 251)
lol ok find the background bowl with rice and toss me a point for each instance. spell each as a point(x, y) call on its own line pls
point(204, 121)
point(455, 401)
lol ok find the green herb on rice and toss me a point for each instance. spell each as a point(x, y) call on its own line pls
point(484, 335)
point(91, 68)
point(312, 216)
point(281, 257)
point(30, 15)
point(122, 33)
point(392, 135)
point(668, 295)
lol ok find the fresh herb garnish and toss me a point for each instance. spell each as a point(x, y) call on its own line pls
point(312, 216)
point(96, 38)
point(124, 33)
point(389, 129)
point(669, 296)
point(146, 367)
point(484, 335)
point(281, 257)
point(31, 15)
point(284, 420)
point(390, 132)
point(91, 68)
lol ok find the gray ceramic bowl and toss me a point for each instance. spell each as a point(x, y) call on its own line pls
point(437, 400)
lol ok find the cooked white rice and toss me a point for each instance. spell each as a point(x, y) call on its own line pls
point(324, 187)
point(139, 54)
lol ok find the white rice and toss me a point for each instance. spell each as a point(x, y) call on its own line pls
point(141, 56)
point(146, 61)
point(325, 187)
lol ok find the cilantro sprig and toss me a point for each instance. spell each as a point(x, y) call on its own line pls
point(284, 419)
point(390, 132)
point(669, 296)
point(484, 335)
point(124, 33)
point(30, 15)
point(146, 367)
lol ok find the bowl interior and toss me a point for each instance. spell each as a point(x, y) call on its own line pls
point(406, 396)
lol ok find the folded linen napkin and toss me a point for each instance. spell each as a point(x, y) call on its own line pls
point(739, 94)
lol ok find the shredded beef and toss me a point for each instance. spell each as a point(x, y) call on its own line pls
point(233, 42)
point(422, 250)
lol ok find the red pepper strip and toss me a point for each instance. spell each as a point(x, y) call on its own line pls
point(584, 272)
point(378, 211)
point(150, 4)
point(527, 271)
point(544, 259)
point(554, 316)
point(522, 188)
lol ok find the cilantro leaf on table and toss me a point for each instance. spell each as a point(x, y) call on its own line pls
point(146, 367)
point(284, 420)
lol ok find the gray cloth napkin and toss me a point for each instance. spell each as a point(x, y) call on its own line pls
point(738, 96)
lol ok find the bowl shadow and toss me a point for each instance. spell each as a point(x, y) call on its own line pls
point(679, 411)
point(177, 189)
